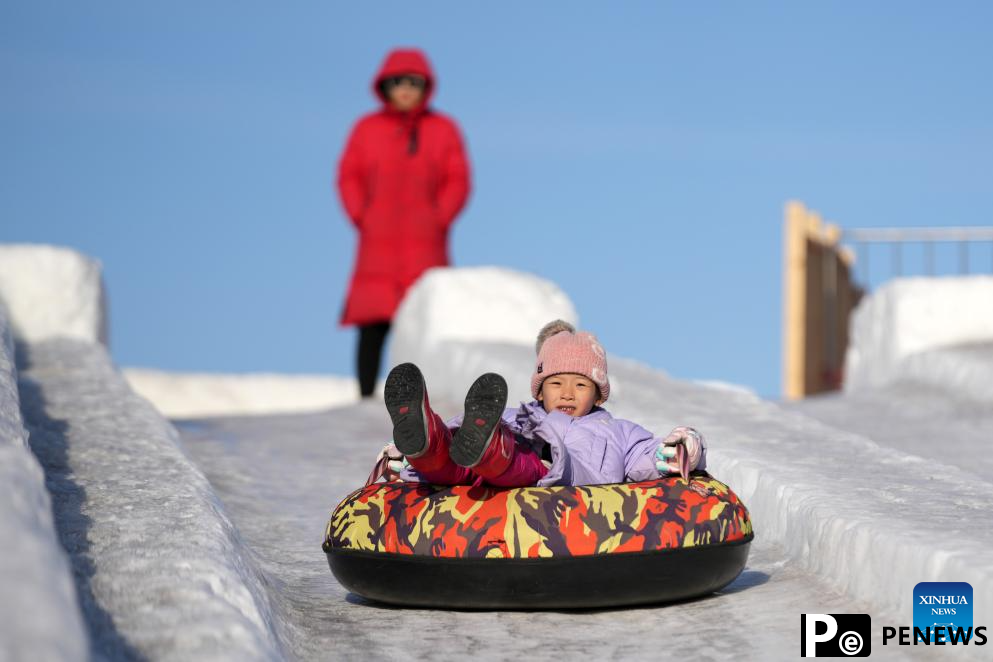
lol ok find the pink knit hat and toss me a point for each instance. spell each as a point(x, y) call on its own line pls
point(561, 349)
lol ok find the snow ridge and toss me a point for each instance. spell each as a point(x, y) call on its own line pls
point(160, 570)
point(39, 616)
point(871, 521)
point(51, 291)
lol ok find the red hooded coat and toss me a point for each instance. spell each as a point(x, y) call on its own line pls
point(403, 179)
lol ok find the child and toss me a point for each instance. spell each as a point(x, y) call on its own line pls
point(581, 443)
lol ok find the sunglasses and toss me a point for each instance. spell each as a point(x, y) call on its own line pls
point(397, 81)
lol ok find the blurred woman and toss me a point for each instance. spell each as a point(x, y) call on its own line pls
point(403, 180)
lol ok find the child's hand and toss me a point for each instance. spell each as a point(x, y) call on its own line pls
point(692, 442)
point(397, 462)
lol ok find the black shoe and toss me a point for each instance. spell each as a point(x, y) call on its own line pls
point(405, 397)
point(484, 404)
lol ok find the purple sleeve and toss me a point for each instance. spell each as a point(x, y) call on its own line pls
point(639, 458)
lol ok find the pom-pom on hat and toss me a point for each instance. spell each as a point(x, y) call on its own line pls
point(561, 348)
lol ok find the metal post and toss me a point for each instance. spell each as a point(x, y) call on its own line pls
point(963, 257)
point(862, 250)
point(929, 256)
point(896, 255)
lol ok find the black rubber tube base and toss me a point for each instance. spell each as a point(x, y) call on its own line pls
point(576, 582)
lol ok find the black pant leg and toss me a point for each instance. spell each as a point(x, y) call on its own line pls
point(370, 351)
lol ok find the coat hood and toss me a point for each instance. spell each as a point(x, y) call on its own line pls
point(404, 61)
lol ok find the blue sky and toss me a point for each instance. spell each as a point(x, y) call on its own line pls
point(637, 155)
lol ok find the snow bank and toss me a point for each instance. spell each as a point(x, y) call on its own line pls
point(871, 521)
point(160, 570)
point(198, 395)
point(39, 616)
point(909, 317)
point(52, 292)
point(450, 311)
point(500, 306)
point(964, 370)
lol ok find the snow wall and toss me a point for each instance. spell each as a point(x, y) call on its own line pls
point(871, 521)
point(39, 617)
point(52, 292)
point(936, 331)
point(135, 558)
point(451, 311)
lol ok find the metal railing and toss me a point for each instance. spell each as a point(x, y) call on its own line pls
point(898, 238)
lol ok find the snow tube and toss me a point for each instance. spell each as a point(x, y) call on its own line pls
point(466, 546)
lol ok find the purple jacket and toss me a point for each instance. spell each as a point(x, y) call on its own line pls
point(595, 449)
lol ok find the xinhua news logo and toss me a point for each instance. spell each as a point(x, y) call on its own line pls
point(941, 609)
point(835, 635)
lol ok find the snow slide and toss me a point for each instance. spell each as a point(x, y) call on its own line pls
point(161, 572)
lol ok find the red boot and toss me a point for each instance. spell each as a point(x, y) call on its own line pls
point(418, 432)
point(482, 443)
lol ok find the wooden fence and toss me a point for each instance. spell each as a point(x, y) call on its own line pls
point(819, 294)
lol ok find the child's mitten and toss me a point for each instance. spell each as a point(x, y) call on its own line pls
point(694, 447)
point(389, 463)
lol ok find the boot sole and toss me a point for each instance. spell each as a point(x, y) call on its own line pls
point(404, 396)
point(484, 405)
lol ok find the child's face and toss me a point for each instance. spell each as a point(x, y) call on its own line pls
point(569, 393)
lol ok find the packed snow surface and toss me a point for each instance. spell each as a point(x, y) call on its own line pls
point(52, 292)
point(809, 536)
point(917, 418)
point(328, 454)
